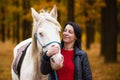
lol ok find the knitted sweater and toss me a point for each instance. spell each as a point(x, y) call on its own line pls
point(67, 71)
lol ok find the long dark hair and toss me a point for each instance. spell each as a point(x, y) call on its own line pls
point(77, 31)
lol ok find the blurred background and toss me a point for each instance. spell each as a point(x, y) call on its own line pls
point(99, 20)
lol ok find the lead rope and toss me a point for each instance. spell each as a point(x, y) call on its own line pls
point(56, 77)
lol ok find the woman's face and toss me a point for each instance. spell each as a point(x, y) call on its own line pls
point(69, 34)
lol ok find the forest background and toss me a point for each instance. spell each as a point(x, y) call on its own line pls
point(99, 20)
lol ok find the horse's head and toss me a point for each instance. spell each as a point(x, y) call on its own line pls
point(46, 33)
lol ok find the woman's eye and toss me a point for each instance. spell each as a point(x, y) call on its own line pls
point(64, 30)
point(70, 32)
point(41, 34)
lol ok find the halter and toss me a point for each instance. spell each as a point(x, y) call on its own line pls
point(43, 46)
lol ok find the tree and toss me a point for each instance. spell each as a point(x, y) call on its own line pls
point(58, 1)
point(109, 31)
point(17, 20)
point(89, 23)
point(3, 24)
point(26, 24)
point(89, 33)
point(70, 10)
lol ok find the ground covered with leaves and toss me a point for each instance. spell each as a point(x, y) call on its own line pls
point(100, 70)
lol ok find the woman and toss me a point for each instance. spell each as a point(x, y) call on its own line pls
point(76, 65)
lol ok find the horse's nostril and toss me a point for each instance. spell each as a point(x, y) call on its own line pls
point(53, 60)
point(53, 45)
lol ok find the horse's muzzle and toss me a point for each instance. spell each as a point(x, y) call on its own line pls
point(56, 61)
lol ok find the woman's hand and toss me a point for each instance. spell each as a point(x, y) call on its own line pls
point(52, 50)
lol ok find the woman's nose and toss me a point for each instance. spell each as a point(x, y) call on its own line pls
point(65, 33)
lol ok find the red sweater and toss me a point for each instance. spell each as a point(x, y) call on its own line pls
point(67, 71)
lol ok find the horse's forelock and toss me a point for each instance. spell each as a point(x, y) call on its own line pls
point(54, 22)
point(43, 11)
point(46, 16)
point(49, 18)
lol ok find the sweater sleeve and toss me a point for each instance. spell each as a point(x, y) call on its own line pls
point(45, 66)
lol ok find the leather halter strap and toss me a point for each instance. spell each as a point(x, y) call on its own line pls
point(43, 46)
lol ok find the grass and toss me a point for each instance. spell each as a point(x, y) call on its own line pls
point(6, 56)
point(100, 70)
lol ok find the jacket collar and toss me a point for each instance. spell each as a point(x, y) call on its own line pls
point(77, 52)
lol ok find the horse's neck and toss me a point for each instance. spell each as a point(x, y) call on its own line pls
point(35, 53)
point(33, 58)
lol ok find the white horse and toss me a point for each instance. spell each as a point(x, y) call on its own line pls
point(45, 33)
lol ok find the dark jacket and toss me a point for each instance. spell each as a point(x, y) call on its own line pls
point(82, 66)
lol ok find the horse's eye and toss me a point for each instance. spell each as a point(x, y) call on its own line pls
point(41, 34)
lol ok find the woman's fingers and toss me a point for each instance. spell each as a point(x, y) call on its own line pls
point(53, 50)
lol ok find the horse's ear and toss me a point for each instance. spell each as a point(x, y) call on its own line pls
point(34, 14)
point(53, 12)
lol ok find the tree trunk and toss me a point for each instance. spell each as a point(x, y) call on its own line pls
point(109, 31)
point(18, 28)
point(103, 31)
point(8, 31)
point(89, 25)
point(89, 33)
point(70, 10)
point(14, 29)
point(3, 24)
point(59, 14)
point(26, 24)
point(26, 29)
point(17, 23)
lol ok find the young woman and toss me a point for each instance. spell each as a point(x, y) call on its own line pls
point(76, 65)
